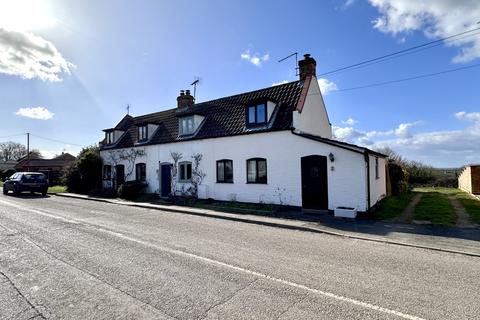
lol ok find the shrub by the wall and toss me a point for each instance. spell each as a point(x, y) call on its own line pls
point(84, 175)
point(131, 189)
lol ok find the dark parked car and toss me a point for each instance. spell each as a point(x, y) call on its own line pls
point(26, 181)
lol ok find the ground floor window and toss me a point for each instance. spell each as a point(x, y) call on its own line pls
point(225, 171)
point(257, 170)
point(185, 171)
point(141, 172)
point(107, 172)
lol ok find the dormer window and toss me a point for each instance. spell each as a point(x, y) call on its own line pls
point(257, 114)
point(142, 133)
point(187, 126)
point(109, 137)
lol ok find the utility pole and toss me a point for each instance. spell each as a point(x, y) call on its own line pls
point(28, 151)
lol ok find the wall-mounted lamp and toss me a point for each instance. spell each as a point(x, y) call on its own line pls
point(331, 157)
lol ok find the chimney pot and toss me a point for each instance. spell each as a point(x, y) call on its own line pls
point(307, 67)
point(185, 100)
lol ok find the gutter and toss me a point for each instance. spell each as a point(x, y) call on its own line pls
point(367, 160)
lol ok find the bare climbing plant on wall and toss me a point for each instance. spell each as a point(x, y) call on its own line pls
point(116, 157)
point(176, 157)
point(197, 174)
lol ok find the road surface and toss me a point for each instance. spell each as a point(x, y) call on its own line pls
point(64, 258)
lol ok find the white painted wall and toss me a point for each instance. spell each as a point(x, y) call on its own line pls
point(465, 180)
point(314, 118)
point(378, 187)
point(283, 151)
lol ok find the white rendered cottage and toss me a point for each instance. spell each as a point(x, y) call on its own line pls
point(272, 145)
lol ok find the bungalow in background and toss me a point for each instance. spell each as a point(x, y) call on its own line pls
point(469, 179)
point(52, 168)
point(272, 145)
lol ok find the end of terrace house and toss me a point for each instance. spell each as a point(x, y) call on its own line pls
point(272, 145)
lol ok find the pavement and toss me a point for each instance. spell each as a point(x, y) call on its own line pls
point(67, 258)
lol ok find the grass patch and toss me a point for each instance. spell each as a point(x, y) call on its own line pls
point(435, 207)
point(392, 206)
point(57, 189)
point(440, 190)
point(471, 205)
point(1, 184)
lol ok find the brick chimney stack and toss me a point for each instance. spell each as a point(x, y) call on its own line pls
point(185, 99)
point(307, 67)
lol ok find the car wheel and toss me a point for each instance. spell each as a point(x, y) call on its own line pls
point(44, 193)
point(5, 191)
point(16, 192)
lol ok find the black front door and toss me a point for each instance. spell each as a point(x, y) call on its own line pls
point(314, 182)
point(120, 174)
point(166, 179)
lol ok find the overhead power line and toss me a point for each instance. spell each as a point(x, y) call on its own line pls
point(427, 75)
point(55, 140)
point(403, 52)
point(12, 136)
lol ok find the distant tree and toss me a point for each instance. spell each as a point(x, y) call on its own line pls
point(392, 155)
point(15, 151)
point(84, 175)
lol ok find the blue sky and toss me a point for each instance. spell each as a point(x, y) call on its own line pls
point(74, 66)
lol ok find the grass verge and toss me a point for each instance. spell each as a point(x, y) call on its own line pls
point(435, 207)
point(392, 206)
point(57, 189)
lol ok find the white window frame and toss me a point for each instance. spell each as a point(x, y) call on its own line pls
point(189, 125)
point(142, 133)
point(110, 137)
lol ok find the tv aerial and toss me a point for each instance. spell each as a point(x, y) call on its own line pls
point(196, 81)
point(296, 61)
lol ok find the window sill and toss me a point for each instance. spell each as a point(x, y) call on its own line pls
point(227, 182)
point(257, 182)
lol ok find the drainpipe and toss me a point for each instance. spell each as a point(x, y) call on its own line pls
point(367, 160)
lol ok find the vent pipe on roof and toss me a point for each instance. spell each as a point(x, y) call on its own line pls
point(185, 99)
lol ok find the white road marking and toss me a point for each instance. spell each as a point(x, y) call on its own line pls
point(223, 264)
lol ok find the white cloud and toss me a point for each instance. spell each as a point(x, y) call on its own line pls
point(255, 59)
point(326, 86)
point(350, 121)
point(29, 56)
point(435, 18)
point(35, 113)
point(439, 148)
point(279, 83)
point(348, 3)
point(472, 116)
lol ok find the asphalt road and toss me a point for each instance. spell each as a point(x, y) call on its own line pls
point(75, 259)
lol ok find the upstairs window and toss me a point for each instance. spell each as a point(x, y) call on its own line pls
point(142, 133)
point(225, 171)
point(109, 137)
point(186, 126)
point(257, 114)
point(257, 170)
point(140, 172)
point(185, 171)
point(107, 172)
